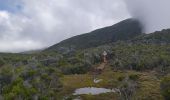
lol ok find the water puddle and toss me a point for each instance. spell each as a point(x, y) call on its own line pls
point(93, 91)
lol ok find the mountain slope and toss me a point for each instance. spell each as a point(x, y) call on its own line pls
point(123, 30)
point(158, 37)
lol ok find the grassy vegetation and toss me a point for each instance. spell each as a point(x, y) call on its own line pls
point(137, 68)
point(148, 86)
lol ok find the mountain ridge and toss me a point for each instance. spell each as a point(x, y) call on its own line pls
point(123, 30)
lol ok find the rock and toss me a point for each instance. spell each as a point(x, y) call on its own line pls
point(97, 80)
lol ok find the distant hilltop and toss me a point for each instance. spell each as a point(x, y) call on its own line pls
point(123, 30)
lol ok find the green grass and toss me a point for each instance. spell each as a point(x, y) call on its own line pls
point(148, 85)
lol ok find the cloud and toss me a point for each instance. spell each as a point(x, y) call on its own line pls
point(35, 24)
point(154, 14)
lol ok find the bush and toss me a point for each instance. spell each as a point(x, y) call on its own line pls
point(6, 75)
point(121, 78)
point(165, 88)
point(134, 77)
point(1, 62)
point(76, 69)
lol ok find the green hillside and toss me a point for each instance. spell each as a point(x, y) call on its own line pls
point(158, 37)
point(123, 30)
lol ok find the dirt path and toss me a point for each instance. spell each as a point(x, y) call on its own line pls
point(98, 70)
point(101, 66)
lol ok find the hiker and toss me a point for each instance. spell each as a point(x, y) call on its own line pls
point(104, 57)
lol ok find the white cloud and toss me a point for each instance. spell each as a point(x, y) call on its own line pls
point(154, 14)
point(13, 46)
point(41, 23)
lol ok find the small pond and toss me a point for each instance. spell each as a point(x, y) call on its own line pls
point(93, 91)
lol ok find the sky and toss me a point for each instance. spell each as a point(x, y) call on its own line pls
point(35, 24)
point(153, 14)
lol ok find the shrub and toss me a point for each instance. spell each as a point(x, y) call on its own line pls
point(165, 87)
point(121, 78)
point(134, 77)
point(1, 62)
